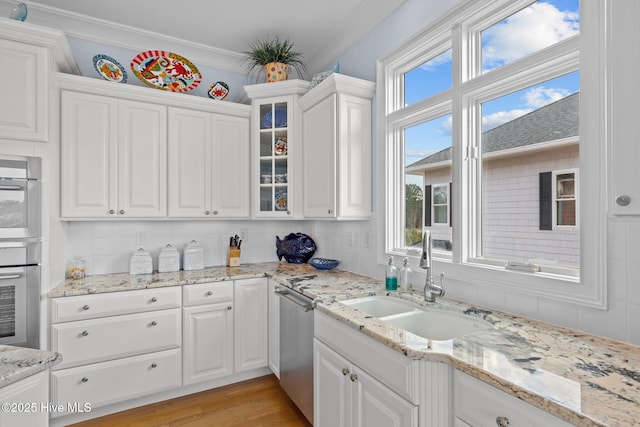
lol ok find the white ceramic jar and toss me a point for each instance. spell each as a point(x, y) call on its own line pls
point(141, 262)
point(168, 259)
point(193, 258)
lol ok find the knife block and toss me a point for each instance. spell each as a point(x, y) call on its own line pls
point(233, 257)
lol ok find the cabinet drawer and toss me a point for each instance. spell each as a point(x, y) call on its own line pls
point(207, 293)
point(95, 340)
point(105, 383)
point(479, 404)
point(388, 366)
point(82, 307)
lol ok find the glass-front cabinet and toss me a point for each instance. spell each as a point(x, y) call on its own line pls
point(276, 148)
point(274, 157)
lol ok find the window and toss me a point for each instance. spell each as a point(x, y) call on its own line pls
point(512, 113)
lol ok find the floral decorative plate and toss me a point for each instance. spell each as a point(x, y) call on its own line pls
point(166, 71)
point(281, 200)
point(109, 69)
point(218, 90)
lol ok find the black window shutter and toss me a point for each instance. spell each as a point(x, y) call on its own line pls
point(427, 206)
point(546, 222)
point(450, 205)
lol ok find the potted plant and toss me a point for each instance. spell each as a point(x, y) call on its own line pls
point(275, 57)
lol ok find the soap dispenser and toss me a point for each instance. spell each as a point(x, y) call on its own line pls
point(391, 276)
point(404, 276)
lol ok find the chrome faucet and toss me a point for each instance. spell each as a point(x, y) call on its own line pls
point(431, 290)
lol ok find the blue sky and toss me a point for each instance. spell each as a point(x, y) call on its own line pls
point(542, 24)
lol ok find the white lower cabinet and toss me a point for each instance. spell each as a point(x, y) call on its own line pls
point(208, 332)
point(31, 399)
point(113, 358)
point(274, 329)
point(251, 324)
point(477, 404)
point(345, 395)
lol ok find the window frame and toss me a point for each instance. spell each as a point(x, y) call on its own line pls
point(576, 198)
point(433, 205)
point(460, 27)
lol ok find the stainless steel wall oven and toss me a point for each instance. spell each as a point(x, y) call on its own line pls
point(20, 251)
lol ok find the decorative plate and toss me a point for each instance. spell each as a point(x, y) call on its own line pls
point(218, 90)
point(280, 147)
point(281, 200)
point(166, 71)
point(296, 248)
point(280, 122)
point(109, 69)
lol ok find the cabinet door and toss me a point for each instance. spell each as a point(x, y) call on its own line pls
point(23, 110)
point(250, 318)
point(230, 167)
point(189, 163)
point(375, 405)
point(142, 159)
point(274, 329)
point(88, 155)
point(207, 342)
point(331, 387)
point(319, 159)
point(31, 394)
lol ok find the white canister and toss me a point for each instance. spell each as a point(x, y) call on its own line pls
point(193, 258)
point(141, 262)
point(168, 259)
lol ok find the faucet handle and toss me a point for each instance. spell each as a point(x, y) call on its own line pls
point(441, 284)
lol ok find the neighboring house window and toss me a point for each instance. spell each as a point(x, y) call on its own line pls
point(559, 200)
point(507, 108)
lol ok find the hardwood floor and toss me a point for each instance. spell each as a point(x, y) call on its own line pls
point(259, 402)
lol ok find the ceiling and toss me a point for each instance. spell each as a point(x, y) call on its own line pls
point(216, 32)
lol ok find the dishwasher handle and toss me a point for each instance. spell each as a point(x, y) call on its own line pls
point(306, 306)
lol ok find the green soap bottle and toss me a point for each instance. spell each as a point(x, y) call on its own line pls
point(391, 276)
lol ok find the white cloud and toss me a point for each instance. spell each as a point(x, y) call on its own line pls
point(540, 96)
point(496, 119)
point(534, 28)
point(432, 65)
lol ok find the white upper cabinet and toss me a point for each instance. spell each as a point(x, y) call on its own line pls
point(113, 155)
point(276, 148)
point(208, 165)
point(336, 149)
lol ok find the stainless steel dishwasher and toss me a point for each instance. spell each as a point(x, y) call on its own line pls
point(296, 349)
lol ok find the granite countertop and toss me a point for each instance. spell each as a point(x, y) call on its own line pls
point(17, 363)
point(583, 379)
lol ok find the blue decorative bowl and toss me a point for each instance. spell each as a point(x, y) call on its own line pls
point(324, 263)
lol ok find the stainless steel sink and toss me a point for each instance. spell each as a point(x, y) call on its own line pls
point(432, 324)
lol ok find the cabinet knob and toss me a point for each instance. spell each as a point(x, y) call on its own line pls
point(111, 211)
point(207, 212)
point(209, 293)
point(154, 299)
point(623, 200)
point(502, 421)
point(154, 365)
point(121, 212)
point(288, 212)
point(84, 379)
point(84, 333)
point(330, 211)
point(153, 323)
point(345, 371)
point(228, 307)
point(215, 212)
point(85, 307)
point(353, 378)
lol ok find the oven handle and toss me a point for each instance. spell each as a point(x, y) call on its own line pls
point(11, 187)
point(10, 276)
point(286, 294)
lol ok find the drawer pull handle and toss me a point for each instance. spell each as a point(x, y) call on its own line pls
point(84, 379)
point(154, 299)
point(153, 323)
point(154, 365)
point(228, 307)
point(85, 307)
point(345, 371)
point(209, 293)
point(502, 421)
point(353, 378)
point(84, 333)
